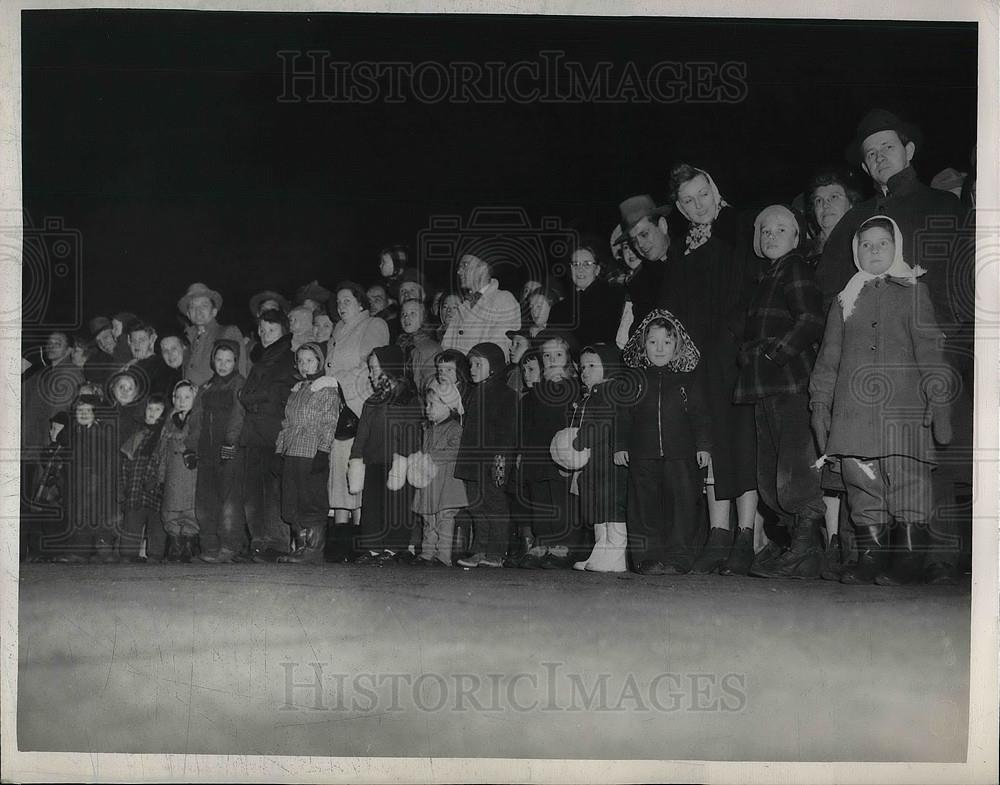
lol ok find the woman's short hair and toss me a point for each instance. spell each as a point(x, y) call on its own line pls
point(597, 247)
point(357, 290)
point(274, 316)
point(828, 176)
point(462, 370)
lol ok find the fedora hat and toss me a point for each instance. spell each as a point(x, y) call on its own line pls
point(880, 120)
point(199, 290)
point(635, 208)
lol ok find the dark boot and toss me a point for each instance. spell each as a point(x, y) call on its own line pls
point(187, 549)
point(713, 555)
point(173, 553)
point(309, 544)
point(740, 555)
point(906, 565)
point(804, 557)
point(871, 542)
point(763, 558)
point(833, 560)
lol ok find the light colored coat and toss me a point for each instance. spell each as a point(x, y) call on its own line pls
point(488, 321)
point(347, 356)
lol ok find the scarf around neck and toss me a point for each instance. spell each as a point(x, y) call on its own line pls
point(699, 234)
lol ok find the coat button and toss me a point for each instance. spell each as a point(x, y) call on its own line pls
point(461, 332)
point(874, 324)
point(873, 348)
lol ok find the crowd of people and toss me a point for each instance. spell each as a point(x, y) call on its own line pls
point(782, 393)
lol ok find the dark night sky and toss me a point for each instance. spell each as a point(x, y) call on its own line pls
point(159, 138)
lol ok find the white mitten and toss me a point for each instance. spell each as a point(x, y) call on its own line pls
point(565, 454)
point(322, 383)
point(355, 475)
point(397, 473)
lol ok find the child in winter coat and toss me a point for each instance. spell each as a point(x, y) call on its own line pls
point(602, 485)
point(882, 429)
point(92, 507)
point(554, 524)
point(128, 402)
point(664, 438)
point(140, 483)
point(388, 432)
point(440, 494)
point(783, 327)
point(488, 444)
point(216, 420)
point(177, 470)
point(305, 441)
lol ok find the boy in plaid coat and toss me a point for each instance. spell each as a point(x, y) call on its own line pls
point(784, 325)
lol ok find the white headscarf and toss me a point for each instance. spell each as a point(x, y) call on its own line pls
point(898, 269)
point(781, 212)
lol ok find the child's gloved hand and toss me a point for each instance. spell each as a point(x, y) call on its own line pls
point(820, 422)
point(320, 463)
point(227, 452)
point(938, 417)
point(621, 458)
point(190, 458)
point(703, 458)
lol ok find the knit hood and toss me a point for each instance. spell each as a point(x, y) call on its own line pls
point(493, 354)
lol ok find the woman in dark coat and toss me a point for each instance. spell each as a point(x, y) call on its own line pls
point(263, 398)
point(707, 279)
point(592, 311)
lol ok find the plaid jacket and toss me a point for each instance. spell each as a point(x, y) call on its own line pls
point(310, 418)
point(784, 325)
point(140, 485)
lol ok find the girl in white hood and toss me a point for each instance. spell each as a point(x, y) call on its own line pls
point(879, 390)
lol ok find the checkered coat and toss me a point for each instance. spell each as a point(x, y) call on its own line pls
point(311, 415)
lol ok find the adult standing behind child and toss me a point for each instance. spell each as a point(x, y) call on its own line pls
point(201, 305)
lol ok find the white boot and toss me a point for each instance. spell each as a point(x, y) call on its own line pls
point(600, 538)
point(610, 558)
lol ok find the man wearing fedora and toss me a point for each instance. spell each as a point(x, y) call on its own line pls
point(644, 227)
point(929, 220)
point(201, 305)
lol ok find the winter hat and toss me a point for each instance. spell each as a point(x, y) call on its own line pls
point(312, 291)
point(685, 358)
point(492, 353)
point(848, 297)
point(60, 418)
point(448, 393)
point(98, 325)
point(390, 359)
point(635, 208)
point(124, 317)
point(400, 256)
point(225, 343)
point(880, 120)
point(611, 357)
point(781, 212)
point(320, 352)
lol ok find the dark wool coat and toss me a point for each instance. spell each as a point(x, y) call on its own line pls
point(179, 482)
point(94, 466)
point(644, 291)
point(265, 392)
point(603, 486)
point(590, 316)
point(545, 412)
point(668, 416)
point(217, 416)
point(489, 428)
point(389, 425)
point(876, 371)
point(128, 419)
point(784, 325)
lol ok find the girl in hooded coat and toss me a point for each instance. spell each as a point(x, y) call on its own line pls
point(603, 486)
point(177, 469)
point(305, 441)
point(664, 437)
point(388, 432)
point(878, 393)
